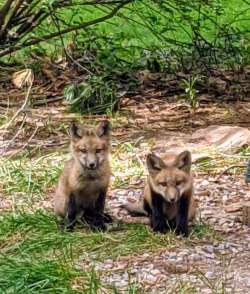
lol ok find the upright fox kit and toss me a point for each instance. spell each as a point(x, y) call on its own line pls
point(168, 193)
point(83, 184)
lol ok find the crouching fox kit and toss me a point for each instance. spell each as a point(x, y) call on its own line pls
point(168, 193)
point(83, 184)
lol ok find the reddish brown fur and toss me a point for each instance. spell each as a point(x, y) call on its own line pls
point(89, 146)
point(169, 177)
point(170, 170)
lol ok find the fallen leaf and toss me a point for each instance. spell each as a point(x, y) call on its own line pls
point(233, 207)
point(22, 78)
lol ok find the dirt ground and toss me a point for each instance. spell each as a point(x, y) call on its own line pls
point(221, 265)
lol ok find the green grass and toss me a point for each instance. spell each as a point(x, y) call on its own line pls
point(214, 161)
point(29, 176)
point(30, 179)
point(23, 232)
point(36, 256)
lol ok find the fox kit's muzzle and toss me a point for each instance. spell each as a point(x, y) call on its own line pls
point(172, 194)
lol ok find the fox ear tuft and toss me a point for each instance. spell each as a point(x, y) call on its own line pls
point(103, 128)
point(74, 131)
point(183, 161)
point(154, 163)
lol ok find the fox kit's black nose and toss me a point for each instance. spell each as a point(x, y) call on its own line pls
point(92, 165)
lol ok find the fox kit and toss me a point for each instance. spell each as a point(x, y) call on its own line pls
point(83, 184)
point(168, 193)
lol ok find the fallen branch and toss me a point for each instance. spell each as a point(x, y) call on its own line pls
point(34, 103)
point(21, 109)
point(227, 169)
point(14, 137)
point(26, 144)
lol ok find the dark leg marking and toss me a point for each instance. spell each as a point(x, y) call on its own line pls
point(107, 218)
point(182, 217)
point(147, 208)
point(100, 204)
point(158, 221)
point(172, 224)
point(71, 213)
point(96, 217)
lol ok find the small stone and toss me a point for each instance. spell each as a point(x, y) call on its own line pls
point(230, 276)
point(193, 279)
point(234, 250)
point(131, 200)
point(209, 275)
point(210, 256)
point(155, 272)
point(150, 279)
point(222, 221)
point(194, 257)
point(221, 247)
point(233, 207)
point(208, 249)
point(205, 183)
point(108, 266)
point(172, 255)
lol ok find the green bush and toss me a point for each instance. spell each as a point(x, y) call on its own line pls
point(159, 35)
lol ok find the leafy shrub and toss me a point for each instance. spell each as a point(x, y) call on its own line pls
point(107, 77)
point(95, 95)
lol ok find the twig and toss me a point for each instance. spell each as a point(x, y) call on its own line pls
point(21, 109)
point(82, 25)
point(12, 14)
point(56, 23)
point(34, 103)
point(28, 141)
point(14, 137)
point(227, 169)
point(3, 13)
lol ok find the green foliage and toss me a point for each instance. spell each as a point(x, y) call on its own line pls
point(108, 77)
point(191, 93)
point(93, 96)
point(159, 36)
point(192, 33)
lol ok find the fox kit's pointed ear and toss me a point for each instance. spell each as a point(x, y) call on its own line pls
point(154, 163)
point(183, 161)
point(103, 128)
point(74, 131)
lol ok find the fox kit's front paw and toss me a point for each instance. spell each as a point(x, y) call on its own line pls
point(107, 218)
point(66, 226)
point(182, 231)
point(159, 226)
point(97, 222)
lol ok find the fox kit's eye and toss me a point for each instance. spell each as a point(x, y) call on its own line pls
point(164, 184)
point(98, 150)
point(179, 182)
point(83, 150)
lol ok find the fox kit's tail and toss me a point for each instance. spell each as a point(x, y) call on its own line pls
point(135, 209)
